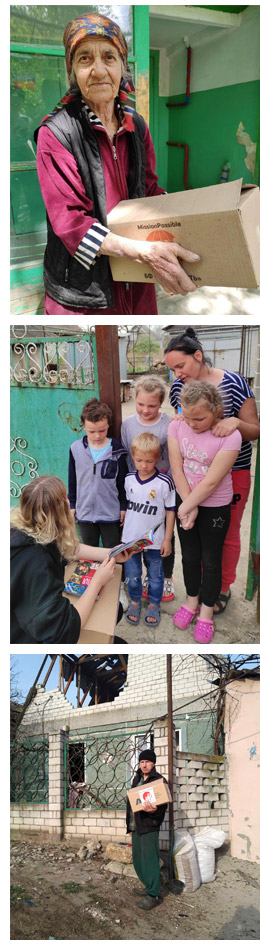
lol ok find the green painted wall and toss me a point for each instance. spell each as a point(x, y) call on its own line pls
point(208, 125)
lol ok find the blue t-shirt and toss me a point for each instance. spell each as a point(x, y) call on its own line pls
point(97, 453)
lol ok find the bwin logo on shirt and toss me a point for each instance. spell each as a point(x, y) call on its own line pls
point(146, 509)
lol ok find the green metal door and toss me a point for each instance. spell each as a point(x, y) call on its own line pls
point(51, 379)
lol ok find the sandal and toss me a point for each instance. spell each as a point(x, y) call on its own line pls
point(184, 617)
point(168, 590)
point(133, 611)
point(155, 614)
point(204, 630)
point(221, 606)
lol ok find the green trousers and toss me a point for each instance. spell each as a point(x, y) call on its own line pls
point(145, 851)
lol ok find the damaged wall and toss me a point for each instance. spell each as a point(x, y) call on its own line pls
point(143, 699)
point(243, 753)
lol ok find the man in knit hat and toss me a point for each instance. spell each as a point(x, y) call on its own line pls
point(145, 826)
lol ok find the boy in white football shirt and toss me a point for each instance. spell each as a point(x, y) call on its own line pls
point(150, 498)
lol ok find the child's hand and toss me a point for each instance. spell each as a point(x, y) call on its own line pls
point(166, 548)
point(122, 517)
point(188, 521)
point(73, 512)
point(123, 557)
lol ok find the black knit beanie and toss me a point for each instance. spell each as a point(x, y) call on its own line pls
point(147, 754)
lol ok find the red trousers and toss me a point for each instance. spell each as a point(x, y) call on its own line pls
point(231, 549)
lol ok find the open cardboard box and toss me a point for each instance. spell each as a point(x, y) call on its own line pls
point(154, 793)
point(100, 627)
point(221, 223)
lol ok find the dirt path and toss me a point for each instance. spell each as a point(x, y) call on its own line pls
point(54, 894)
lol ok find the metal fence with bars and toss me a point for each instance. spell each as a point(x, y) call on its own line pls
point(98, 768)
point(30, 772)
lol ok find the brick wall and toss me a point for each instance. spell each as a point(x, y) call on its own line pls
point(200, 798)
point(147, 678)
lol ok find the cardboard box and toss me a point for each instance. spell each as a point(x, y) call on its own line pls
point(221, 223)
point(154, 793)
point(100, 627)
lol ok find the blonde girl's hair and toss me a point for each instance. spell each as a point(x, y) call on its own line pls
point(43, 513)
point(151, 384)
point(146, 442)
point(197, 390)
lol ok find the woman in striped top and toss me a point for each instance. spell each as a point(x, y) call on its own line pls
point(184, 355)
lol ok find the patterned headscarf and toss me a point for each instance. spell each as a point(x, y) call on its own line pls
point(94, 24)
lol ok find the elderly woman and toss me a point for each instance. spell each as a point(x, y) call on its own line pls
point(185, 357)
point(92, 152)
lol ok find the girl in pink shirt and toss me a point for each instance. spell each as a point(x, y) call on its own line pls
point(201, 465)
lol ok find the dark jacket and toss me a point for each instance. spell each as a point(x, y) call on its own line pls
point(97, 490)
point(65, 279)
point(146, 821)
point(39, 613)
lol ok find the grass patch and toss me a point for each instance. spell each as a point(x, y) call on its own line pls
point(72, 887)
point(19, 892)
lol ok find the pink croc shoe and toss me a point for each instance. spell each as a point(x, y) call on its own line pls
point(204, 630)
point(184, 617)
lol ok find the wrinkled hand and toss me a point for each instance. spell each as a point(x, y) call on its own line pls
point(225, 427)
point(163, 259)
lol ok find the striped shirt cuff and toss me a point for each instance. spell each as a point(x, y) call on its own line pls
point(89, 246)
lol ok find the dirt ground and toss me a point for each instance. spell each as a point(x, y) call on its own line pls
point(55, 894)
point(238, 624)
point(211, 301)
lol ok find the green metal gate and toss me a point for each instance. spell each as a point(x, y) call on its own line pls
point(51, 379)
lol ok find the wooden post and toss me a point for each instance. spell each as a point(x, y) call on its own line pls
point(49, 670)
point(109, 372)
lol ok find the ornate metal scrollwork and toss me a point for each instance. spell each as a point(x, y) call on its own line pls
point(19, 464)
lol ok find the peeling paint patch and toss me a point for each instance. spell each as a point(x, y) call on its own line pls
point(252, 751)
point(142, 95)
point(244, 139)
point(246, 819)
point(64, 412)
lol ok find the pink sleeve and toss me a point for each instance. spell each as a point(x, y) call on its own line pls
point(151, 184)
point(67, 205)
point(173, 429)
point(232, 441)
